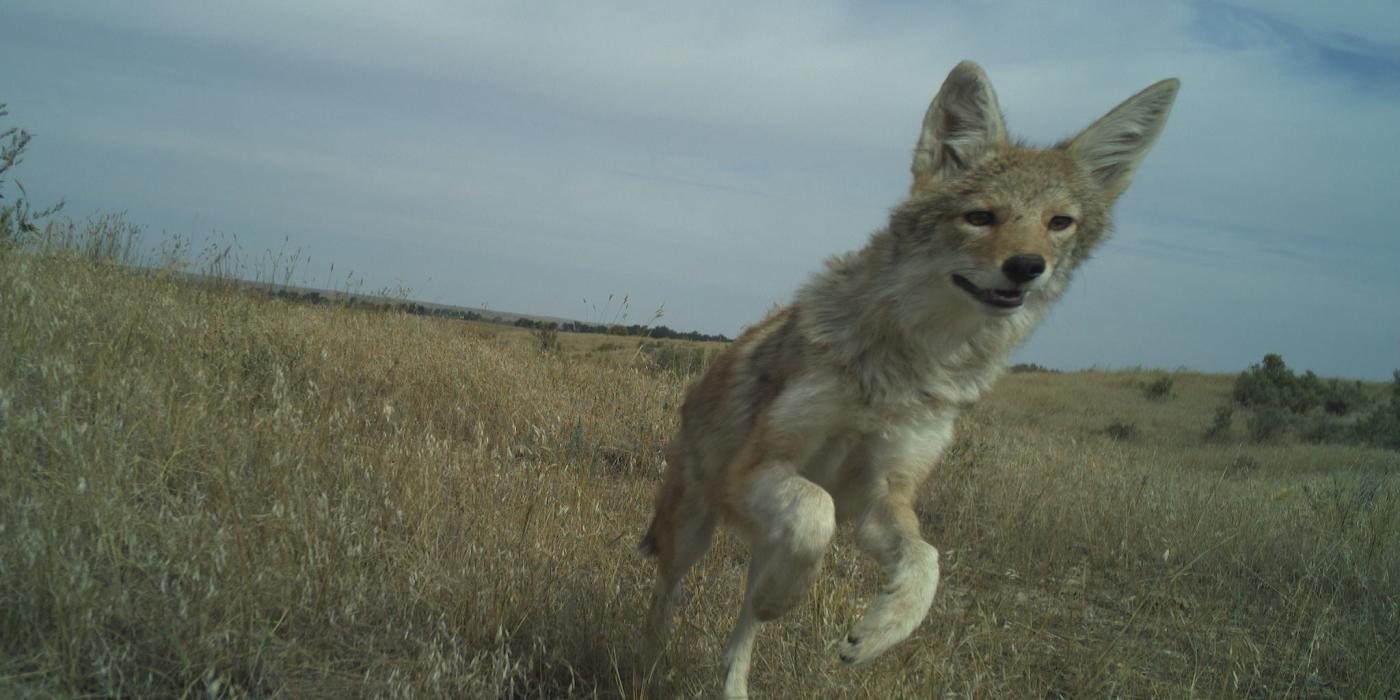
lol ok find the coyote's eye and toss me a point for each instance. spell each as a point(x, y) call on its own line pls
point(980, 218)
point(1060, 223)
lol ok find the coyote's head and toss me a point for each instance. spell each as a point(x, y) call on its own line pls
point(1005, 224)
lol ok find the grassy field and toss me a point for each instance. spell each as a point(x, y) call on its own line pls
point(209, 493)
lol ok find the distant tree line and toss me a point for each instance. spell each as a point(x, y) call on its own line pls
point(408, 307)
point(618, 329)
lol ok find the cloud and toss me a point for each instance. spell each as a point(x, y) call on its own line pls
point(710, 155)
point(1363, 27)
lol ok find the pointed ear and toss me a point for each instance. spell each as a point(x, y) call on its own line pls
point(1111, 148)
point(962, 123)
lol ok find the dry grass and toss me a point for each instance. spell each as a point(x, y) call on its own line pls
point(208, 493)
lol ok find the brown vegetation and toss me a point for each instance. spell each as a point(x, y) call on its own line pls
point(207, 492)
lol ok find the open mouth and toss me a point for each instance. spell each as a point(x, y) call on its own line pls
point(999, 298)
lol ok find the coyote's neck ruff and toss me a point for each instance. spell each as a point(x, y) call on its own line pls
point(837, 406)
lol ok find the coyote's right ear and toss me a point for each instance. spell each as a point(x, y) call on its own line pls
point(962, 123)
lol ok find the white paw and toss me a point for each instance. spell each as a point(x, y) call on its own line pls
point(736, 684)
point(881, 627)
point(891, 617)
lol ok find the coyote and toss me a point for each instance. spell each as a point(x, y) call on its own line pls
point(836, 407)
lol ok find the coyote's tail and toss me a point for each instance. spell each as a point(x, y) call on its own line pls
point(666, 497)
point(647, 547)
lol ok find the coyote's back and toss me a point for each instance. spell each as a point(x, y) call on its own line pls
point(836, 407)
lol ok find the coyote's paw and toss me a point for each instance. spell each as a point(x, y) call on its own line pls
point(892, 616)
point(881, 627)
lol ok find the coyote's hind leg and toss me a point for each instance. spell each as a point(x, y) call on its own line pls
point(680, 533)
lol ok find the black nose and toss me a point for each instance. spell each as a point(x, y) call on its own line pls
point(1023, 268)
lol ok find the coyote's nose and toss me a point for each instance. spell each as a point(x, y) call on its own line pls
point(1023, 268)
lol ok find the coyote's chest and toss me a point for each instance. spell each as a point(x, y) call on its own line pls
point(851, 451)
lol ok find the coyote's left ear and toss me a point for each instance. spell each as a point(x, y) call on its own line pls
point(962, 124)
point(1111, 148)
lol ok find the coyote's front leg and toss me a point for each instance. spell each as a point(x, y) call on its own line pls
point(791, 521)
point(889, 531)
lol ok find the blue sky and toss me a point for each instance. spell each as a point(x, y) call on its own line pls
point(708, 157)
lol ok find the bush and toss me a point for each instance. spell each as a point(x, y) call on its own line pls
point(1271, 388)
point(681, 360)
point(1307, 393)
point(18, 220)
point(1158, 390)
point(1322, 428)
point(1221, 424)
point(1381, 427)
point(1272, 383)
point(546, 338)
point(1341, 398)
point(1266, 423)
point(1263, 384)
point(1241, 465)
point(1121, 431)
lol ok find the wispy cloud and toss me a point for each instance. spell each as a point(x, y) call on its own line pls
point(528, 155)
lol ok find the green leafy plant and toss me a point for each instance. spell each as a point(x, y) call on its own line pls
point(1266, 423)
point(19, 220)
point(1159, 389)
point(1121, 431)
point(1221, 424)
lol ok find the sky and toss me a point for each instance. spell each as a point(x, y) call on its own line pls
point(707, 157)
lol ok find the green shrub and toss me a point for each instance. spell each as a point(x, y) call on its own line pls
point(1241, 465)
point(1271, 388)
point(1158, 390)
point(1381, 427)
point(546, 339)
point(1221, 424)
point(18, 220)
point(1266, 423)
point(1323, 428)
point(1341, 398)
point(1272, 383)
point(1121, 431)
point(679, 359)
point(1306, 394)
point(1263, 384)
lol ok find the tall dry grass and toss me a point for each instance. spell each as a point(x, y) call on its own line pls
point(207, 493)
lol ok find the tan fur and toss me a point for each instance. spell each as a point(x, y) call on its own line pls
point(836, 407)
